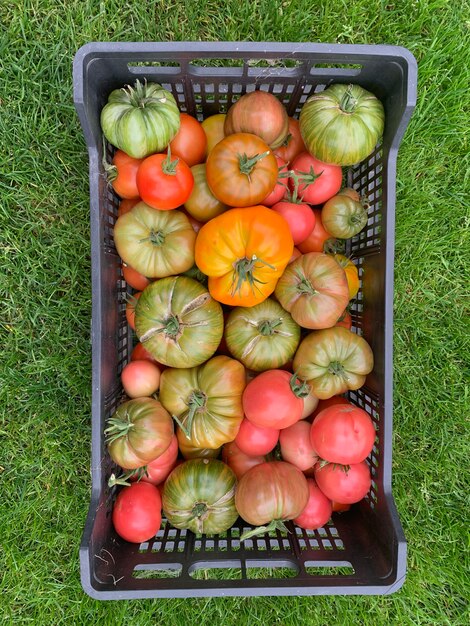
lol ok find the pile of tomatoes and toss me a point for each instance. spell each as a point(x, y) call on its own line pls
point(228, 232)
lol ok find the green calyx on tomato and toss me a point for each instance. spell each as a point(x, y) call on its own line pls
point(300, 388)
point(275, 524)
point(243, 271)
point(348, 102)
point(169, 166)
point(247, 163)
point(196, 403)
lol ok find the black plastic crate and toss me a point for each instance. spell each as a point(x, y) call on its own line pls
point(362, 551)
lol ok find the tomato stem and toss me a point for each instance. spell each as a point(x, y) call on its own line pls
point(275, 524)
point(336, 368)
point(172, 326)
point(117, 428)
point(169, 166)
point(244, 271)
point(267, 327)
point(196, 403)
point(247, 163)
point(348, 101)
point(299, 387)
point(304, 286)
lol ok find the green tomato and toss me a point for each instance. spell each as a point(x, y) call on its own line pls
point(140, 120)
point(200, 495)
point(262, 337)
point(178, 321)
point(343, 216)
point(342, 124)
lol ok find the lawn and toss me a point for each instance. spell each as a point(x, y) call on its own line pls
point(45, 289)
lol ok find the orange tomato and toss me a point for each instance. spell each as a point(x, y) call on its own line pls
point(133, 278)
point(214, 128)
point(351, 272)
point(244, 251)
point(190, 142)
point(318, 237)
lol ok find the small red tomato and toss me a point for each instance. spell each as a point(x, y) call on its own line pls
point(280, 189)
point(255, 440)
point(299, 216)
point(158, 469)
point(347, 484)
point(134, 279)
point(190, 143)
point(318, 181)
point(339, 507)
point(318, 510)
point(164, 183)
point(140, 378)
point(317, 239)
point(137, 512)
point(122, 175)
point(238, 461)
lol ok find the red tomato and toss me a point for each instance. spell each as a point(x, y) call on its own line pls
point(137, 512)
point(133, 278)
point(238, 461)
point(122, 175)
point(344, 484)
point(190, 142)
point(343, 434)
point(300, 217)
point(293, 144)
point(160, 468)
point(126, 205)
point(140, 378)
point(254, 440)
point(274, 399)
point(318, 181)
point(318, 510)
point(130, 309)
point(164, 183)
point(139, 353)
point(295, 255)
point(280, 189)
point(317, 239)
point(339, 507)
point(324, 404)
point(296, 447)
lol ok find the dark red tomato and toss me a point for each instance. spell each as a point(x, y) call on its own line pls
point(164, 183)
point(122, 175)
point(339, 507)
point(293, 144)
point(317, 239)
point(134, 279)
point(324, 404)
point(139, 353)
point(126, 205)
point(274, 399)
point(160, 468)
point(318, 181)
point(346, 484)
point(256, 440)
point(318, 510)
point(296, 447)
point(137, 512)
point(140, 378)
point(343, 434)
point(300, 217)
point(238, 461)
point(280, 189)
point(130, 309)
point(345, 320)
point(190, 143)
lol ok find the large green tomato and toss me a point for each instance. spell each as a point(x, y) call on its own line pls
point(178, 321)
point(155, 243)
point(333, 361)
point(342, 124)
point(263, 336)
point(140, 120)
point(206, 401)
point(200, 495)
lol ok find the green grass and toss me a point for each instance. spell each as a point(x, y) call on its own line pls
point(46, 304)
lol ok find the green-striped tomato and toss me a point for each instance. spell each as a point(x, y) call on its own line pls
point(206, 400)
point(263, 336)
point(155, 243)
point(343, 217)
point(199, 495)
point(342, 124)
point(140, 120)
point(202, 204)
point(178, 321)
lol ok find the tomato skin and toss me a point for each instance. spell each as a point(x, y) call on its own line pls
point(238, 461)
point(324, 187)
point(342, 484)
point(343, 434)
point(317, 511)
point(299, 216)
point(126, 205)
point(296, 446)
point(271, 491)
point(202, 205)
point(324, 404)
point(310, 404)
point(352, 273)
point(343, 216)
point(140, 378)
point(130, 309)
point(318, 238)
point(268, 400)
point(162, 190)
point(139, 353)
point(122, 175)
point(214, 128)
point(293, 144)
point(345, 320)
point(295, 255)
point(160, 468)
point(191, 452)
point(256, 440)
point(279, 190)
point(137, 512)
point(339, 507)
point(133, 278)
point(190, 142)
point(224, 172)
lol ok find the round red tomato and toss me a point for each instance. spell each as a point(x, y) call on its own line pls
point(318, 510)
point(122, 175)
point(130, 309)
point(296, 447)
point(343, 434)
point(280, 189)
point(274, 399)
point(137, 512)
point(346, 484)
point(299, 216)
point(164, 183)
point(324, 404)
point(318, 181)
point(133, 278)
point(140, 378)
point(190, 143)
point(238, 461)
point(318, 238)
point(255, 440)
